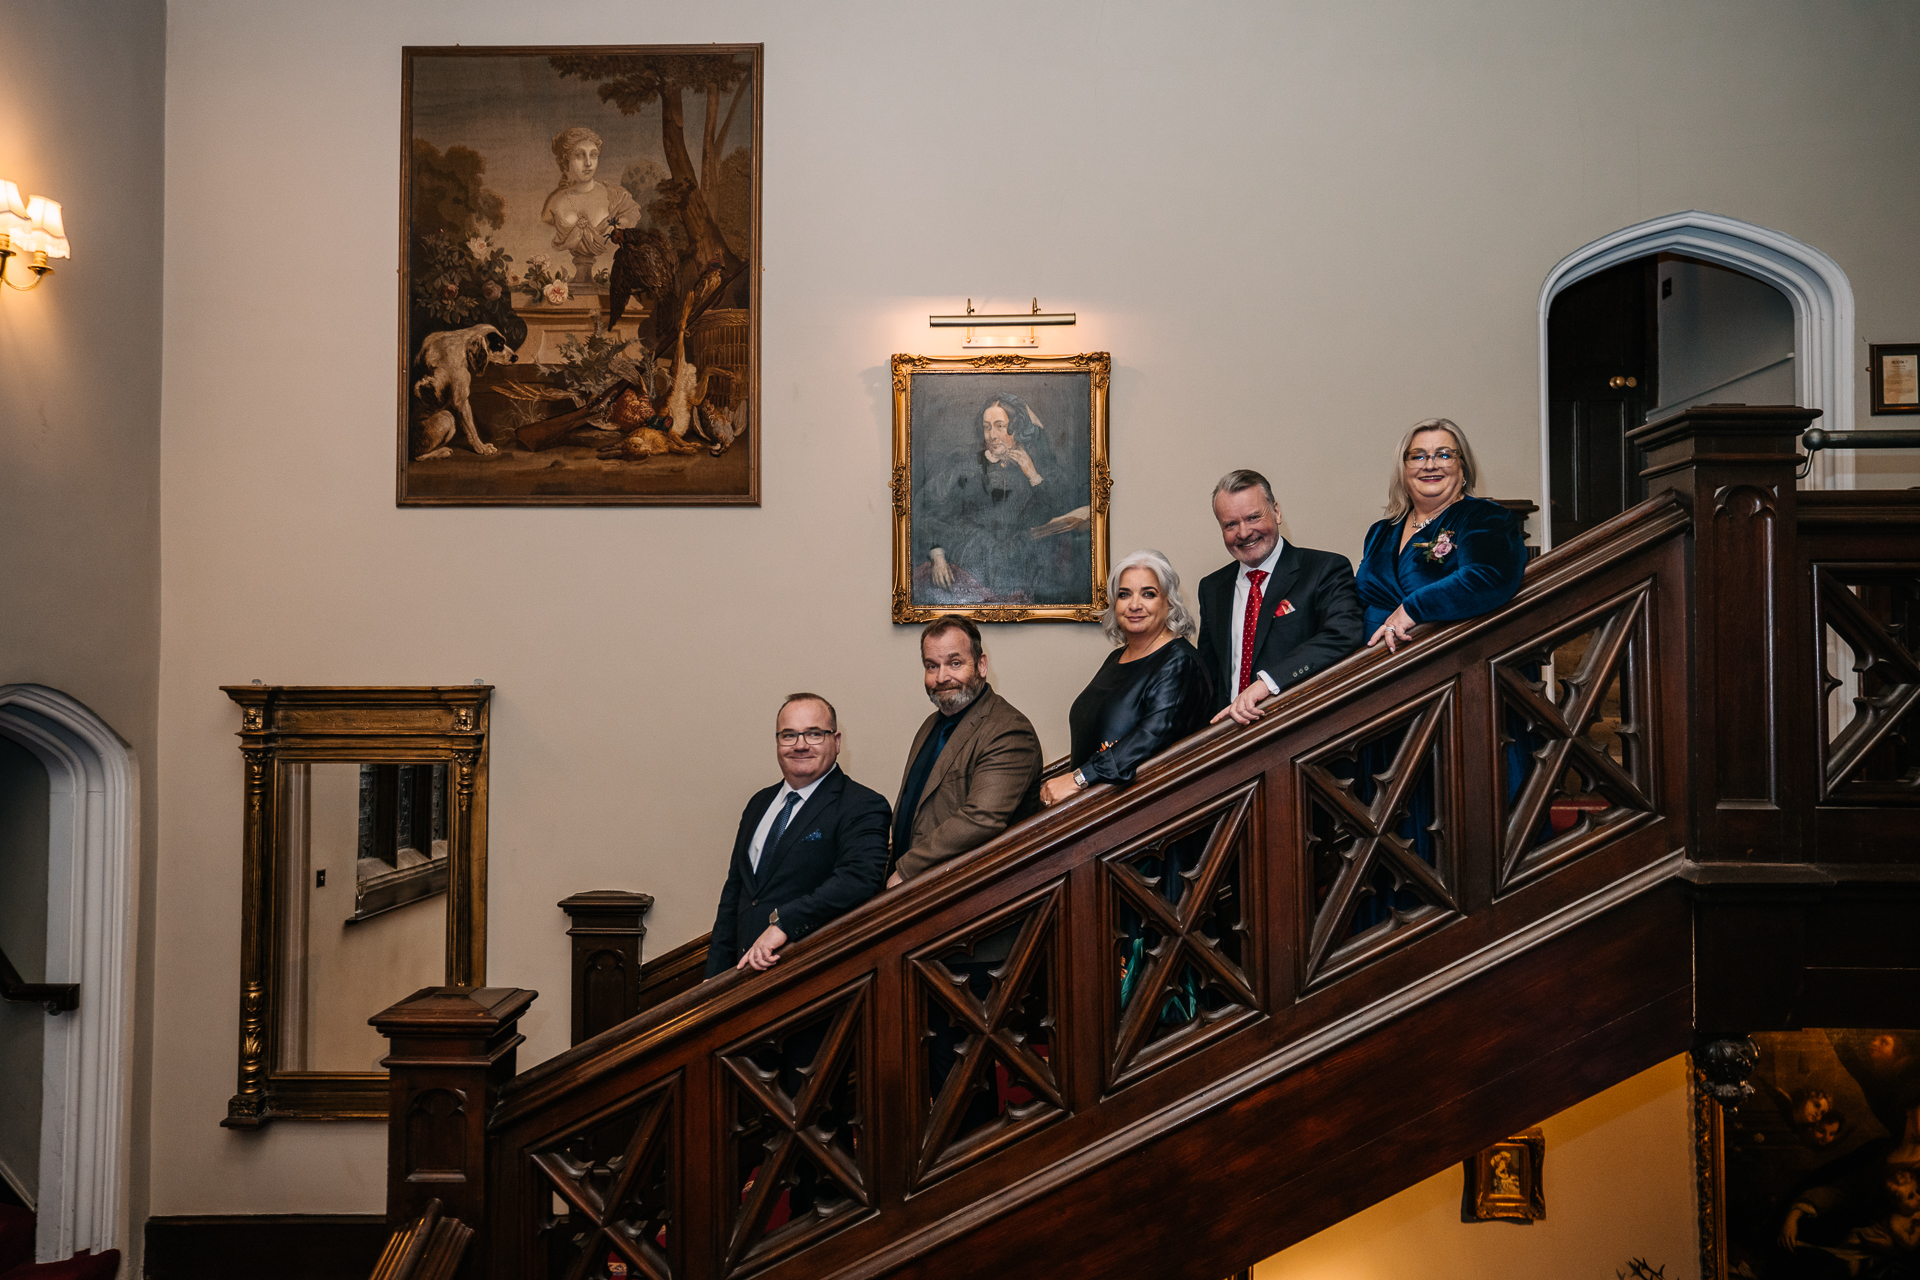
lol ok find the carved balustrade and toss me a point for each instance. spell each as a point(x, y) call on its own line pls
point(1399, 824)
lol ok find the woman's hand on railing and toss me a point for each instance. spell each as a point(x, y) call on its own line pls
point(1396, 630)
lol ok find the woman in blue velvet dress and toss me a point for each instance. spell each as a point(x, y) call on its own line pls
point(1440, 555)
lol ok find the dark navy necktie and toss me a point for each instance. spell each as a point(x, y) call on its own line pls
point(779, 826)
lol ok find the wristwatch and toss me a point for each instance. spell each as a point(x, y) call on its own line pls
point(775, 917)
point(1079, 779)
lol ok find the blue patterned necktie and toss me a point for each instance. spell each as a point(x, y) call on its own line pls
point(779, 826)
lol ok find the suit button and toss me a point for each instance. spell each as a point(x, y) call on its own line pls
point(754, 903)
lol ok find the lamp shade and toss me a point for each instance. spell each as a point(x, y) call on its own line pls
point(14, 218)
point(45, 230)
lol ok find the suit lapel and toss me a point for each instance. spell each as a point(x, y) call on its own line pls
point(1216, 621)
point(1286, 571)
point(913, 753)
point(803, 817)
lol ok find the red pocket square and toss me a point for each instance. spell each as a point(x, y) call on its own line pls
point(1282, 609)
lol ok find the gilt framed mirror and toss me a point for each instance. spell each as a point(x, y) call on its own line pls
point(364, 813)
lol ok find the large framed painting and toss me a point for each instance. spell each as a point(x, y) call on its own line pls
point(579, 304)
point(1817, 1174)
point(1000, 487)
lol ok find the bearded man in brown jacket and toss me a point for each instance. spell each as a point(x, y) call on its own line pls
point(974, 768)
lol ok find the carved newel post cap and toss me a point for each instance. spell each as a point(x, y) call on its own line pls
point(454, 1012)
point(1765, 427)
point(600, 911)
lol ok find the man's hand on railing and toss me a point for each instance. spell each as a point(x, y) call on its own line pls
point(1245, 709)
point(764, 952)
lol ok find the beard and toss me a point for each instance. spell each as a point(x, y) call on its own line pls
point(953, 701)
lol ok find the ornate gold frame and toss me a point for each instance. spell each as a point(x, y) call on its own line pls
point(1098, 365)
point(285, 724)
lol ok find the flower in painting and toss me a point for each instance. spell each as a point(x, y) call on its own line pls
point(477, 246)
point(537, 260)
point(490, 291)
point(514, 278)
point(450, 290)
point(556, 292)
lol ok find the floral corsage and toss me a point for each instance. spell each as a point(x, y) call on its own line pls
point(1438, 549)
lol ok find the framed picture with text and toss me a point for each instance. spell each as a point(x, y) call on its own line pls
point(1896, 377)
point(1000, 487)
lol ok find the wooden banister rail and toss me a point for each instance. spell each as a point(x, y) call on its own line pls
point(1307, 905)
point(1430, 899)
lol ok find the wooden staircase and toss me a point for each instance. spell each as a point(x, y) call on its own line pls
point(1433, 898)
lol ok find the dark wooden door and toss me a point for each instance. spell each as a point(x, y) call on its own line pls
point(1602, 358)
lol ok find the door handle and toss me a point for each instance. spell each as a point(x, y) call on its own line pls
point(1617, 382)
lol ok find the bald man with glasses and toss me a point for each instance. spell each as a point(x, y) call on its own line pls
point(809, 849)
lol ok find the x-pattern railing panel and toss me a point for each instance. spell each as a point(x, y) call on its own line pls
point(1617, 632)
point(604, 1195)
point(993, 1025)
point(1371, 824)
point(1880, 657)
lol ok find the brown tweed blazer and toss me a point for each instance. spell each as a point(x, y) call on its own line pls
point(986, 779)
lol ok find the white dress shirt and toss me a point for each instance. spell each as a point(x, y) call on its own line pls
point(773, 811)
point(1238, 621)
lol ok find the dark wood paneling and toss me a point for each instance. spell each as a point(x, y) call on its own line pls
point(293, 1246)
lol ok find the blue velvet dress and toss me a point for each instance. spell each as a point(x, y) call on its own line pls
point(1466, 562)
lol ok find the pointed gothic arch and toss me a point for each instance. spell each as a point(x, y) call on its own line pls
point(1821, 295)
point(93, 840)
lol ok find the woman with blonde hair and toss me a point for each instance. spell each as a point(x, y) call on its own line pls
point(1441, 554)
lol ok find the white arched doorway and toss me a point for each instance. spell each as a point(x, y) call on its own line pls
point(1822, 310)
point(93, 826)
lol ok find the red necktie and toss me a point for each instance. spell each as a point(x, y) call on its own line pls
point(1254, 578)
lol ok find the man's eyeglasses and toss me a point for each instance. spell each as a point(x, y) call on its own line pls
point(814, 737)
point(1441, 456)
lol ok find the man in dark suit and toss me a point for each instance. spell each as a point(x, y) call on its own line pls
point(974, 767)
point(1276, 615)
point(810, 848)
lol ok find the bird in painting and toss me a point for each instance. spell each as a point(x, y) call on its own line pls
point(643, 266)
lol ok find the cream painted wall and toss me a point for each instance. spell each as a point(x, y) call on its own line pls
point(1297, 227)
point(1619, 1185)
point(83, 100)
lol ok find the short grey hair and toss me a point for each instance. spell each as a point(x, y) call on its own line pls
point(1241, 479)
point(1180, 619)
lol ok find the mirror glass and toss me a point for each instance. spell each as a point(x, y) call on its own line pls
point(362, 904)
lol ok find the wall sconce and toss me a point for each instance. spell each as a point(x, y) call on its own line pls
point(30, 226)
point(971, 321)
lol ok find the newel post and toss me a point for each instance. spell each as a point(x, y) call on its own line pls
point(452, 1049)
point(607, 938)
point(1733, 466)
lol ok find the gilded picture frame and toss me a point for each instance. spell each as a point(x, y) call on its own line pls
point(1506, 1183)
point(579, 284)
point(1001, 487)
point(1816, 1153)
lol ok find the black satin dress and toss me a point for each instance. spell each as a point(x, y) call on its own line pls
point(1133, 710)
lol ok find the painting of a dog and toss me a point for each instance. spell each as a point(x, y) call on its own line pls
point(449, 361)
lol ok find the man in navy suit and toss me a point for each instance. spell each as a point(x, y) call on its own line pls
point(1276, 615)
point(809, 849)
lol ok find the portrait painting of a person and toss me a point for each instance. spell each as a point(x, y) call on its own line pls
point(1003, 518)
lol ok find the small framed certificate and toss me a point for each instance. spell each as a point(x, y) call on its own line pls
point(1896, 377)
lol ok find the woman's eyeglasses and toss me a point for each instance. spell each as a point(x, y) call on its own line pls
point(1441, 456)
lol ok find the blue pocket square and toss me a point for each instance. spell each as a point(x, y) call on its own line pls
point(811, 835)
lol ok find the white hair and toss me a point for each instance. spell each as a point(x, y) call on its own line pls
point(1179, 619)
